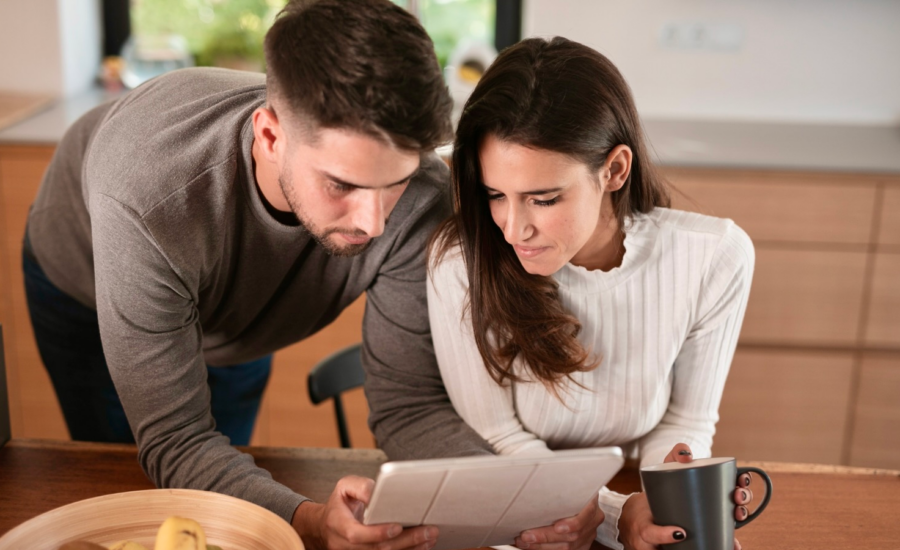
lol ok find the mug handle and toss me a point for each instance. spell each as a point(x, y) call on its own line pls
point(765, 502)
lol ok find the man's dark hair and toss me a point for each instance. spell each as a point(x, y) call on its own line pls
point(364, 65)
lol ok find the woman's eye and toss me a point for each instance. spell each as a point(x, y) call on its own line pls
point(495, 197)
point(549, 202)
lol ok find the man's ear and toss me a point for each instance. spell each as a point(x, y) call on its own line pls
point(268, 133)
point(617, 168)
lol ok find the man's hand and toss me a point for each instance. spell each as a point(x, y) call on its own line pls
point(575, 533)
point(336, 525)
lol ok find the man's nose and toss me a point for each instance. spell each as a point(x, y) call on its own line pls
point(369, 216)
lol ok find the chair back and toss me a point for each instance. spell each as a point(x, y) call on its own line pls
point(5, 430)
point(337, 373)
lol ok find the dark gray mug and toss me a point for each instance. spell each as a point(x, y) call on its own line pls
point(699, 497)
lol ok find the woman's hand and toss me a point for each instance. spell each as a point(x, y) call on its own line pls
point(575, 533)
point(636, 528)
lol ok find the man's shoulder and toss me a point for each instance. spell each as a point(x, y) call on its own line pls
point(171, 131)
point(432, 182)
point(426, 201)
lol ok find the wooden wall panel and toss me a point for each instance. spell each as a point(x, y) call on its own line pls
point(889, 233)
point(804, 297)
point(883, 325)
point(785, 406)
point(876, 433)
point(781, 207)
point(12, 378)
point(21, 170)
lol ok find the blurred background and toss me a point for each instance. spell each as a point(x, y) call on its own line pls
point(782, 115)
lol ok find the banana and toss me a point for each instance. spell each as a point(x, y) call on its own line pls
point(127, 545)
point(180, 534)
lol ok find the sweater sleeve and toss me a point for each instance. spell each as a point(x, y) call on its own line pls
point(704, 360)
point(152, 340)
point(411, 414)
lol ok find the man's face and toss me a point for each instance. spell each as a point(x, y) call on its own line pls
point(343, 185)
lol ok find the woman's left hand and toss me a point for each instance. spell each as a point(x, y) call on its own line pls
point(575, 533)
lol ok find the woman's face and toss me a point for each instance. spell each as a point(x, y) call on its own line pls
point(547, 204)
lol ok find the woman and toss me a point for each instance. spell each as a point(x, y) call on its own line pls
point(569, 306)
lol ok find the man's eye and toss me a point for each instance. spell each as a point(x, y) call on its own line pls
point(340, 187)
point(549, 202)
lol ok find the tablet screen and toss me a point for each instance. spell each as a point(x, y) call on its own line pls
point(488, 501)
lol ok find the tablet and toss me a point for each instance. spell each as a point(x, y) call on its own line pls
point(489, 500)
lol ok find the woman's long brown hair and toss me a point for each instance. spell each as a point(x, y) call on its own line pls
point(560, 96)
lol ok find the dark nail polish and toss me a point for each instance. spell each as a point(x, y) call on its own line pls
point(744, 495)
point(684, 453)
point(678, 535)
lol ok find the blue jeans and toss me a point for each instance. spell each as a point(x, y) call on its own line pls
point(68, 338)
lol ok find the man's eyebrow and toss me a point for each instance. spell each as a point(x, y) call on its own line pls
point(533, 192)
point(339, 181)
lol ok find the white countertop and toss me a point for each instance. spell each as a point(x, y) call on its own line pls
point(789, 146)
point(48, 126)
point(689, 143)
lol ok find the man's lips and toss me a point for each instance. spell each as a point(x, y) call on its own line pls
point(354, 239)
point(529, 251)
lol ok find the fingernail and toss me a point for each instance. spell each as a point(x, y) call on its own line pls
point(678, 535)
point(747, 479)
point(744, 495)
point(684, 453)
point(394, 531)
point(561, 528)
point(528, 537)
point(431, 533)
point(523, 545)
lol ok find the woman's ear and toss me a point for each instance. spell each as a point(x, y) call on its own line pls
point(617, 168)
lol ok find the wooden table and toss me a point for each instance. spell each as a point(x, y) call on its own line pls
point(814, 507)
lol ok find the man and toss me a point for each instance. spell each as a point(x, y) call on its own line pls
point(185, 232)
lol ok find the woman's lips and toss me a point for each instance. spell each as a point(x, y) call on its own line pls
point(529, 251)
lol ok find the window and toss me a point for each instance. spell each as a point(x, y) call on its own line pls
point(221, 32)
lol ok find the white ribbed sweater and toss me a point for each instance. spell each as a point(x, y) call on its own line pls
point(665, 323)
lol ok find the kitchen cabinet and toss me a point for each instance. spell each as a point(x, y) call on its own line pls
point(826, 295)
point(786, 405)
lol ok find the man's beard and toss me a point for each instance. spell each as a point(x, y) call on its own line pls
point(321, 237)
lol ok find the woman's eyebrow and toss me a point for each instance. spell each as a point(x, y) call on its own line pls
point(533, 192)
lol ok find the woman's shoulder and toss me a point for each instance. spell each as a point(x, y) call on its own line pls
point(723, 233)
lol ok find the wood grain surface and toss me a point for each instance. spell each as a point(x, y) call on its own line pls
point(812, 507)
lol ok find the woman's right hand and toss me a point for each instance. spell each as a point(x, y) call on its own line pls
point(637, 530)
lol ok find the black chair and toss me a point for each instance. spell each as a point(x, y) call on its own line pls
point(337, 373)
point(5, 431)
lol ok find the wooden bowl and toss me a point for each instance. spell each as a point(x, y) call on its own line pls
point(228, 522)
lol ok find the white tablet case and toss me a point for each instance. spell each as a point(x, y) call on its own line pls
point(488, 501)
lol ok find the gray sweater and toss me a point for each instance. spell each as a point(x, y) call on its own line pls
point(150, 213)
